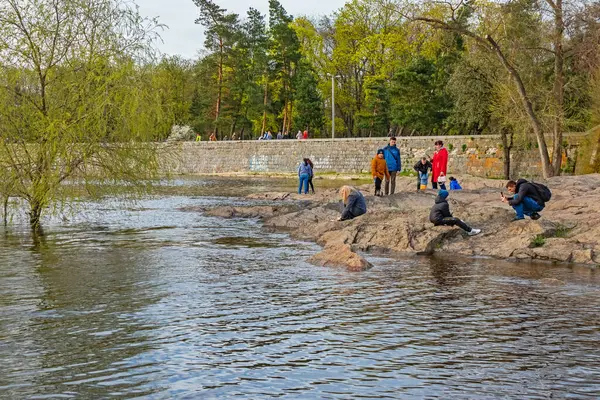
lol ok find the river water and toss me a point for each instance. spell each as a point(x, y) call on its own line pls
point(155, 300)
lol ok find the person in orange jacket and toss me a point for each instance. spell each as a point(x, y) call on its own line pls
point(379, 170)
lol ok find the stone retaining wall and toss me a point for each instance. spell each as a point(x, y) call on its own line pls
point(479, 156)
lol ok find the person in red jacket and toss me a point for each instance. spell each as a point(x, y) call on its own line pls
point(439, 164)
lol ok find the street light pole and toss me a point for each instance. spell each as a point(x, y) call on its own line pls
point(333, 104)
point(332, 107)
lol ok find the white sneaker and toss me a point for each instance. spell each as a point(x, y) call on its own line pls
point(474, 232)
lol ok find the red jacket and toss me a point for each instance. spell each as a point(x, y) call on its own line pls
point(439, 164)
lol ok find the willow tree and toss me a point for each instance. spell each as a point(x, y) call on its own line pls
point(76, 103)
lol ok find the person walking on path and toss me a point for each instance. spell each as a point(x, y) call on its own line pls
point(299, 135)
point(440, 214)
point(379, 170)
point(198, 137)
point(312, 175)
point(213, 137)
point(354, 203)
point(423, 166)
point(304, 173)
point(394, 165)
point(527, 198)
point(305, 135)
point(439, 164)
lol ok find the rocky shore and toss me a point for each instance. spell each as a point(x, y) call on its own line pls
point(568, 232)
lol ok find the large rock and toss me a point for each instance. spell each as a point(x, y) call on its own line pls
point(340, 255)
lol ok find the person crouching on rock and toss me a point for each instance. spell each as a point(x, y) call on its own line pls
point(525, 199)
point(354, 203)
point(379, 170)
point(423, 166)
point(440, 214)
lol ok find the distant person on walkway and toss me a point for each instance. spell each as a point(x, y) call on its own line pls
point(286, 135)
point(379, 170)
point(299, 135)
point(423, 166)
point(354, 203)
point(394, 165)
point(440, 214)
point(454, 185)
point(279, 135)
point(198, 137)
point(305, 135)
point(213, 137)
point(234, 136)
point(439, 164)
point(312, 175)
point(526, 198)
point(269, 135)
point(304, 173)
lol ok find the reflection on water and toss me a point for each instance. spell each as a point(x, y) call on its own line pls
point(162, 303)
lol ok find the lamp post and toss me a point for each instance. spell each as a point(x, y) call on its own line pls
point(333, 104)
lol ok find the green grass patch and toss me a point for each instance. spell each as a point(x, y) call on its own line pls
point(538, 241)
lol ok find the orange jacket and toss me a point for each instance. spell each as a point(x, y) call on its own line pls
point(379, 168)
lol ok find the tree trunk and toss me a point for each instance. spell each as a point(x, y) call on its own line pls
point(35, 216)
point(559, 84)
point(5, 210)
point(289, 125)
point(507, 147)
point(547, 168)
point(285, 109)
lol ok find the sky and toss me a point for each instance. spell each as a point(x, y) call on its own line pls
point(185, 38)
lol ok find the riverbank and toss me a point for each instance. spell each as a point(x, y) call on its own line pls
point(567, 232)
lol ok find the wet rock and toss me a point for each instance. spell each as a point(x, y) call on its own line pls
point(340, 255)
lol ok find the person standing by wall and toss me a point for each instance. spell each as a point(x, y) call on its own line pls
point(305, 135)
point(394, 165)
point(312, 175)
point(304, 173)
point(439, 164)
point(379, 170)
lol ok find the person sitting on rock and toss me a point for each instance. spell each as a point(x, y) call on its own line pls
point(379, 170)
point(454, 185)
point(440, 214)
point(354, 203)
point(525, 199)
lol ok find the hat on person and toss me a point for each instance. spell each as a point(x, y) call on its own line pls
point(443, 193)
point(380, 151)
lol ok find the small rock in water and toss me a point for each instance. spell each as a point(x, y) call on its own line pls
point(340, 255)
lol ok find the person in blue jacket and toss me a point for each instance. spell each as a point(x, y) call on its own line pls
point(304, 174)
point(454, 185)
point(392, 159)
point(354, 203)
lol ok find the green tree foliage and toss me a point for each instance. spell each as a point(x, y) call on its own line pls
point(309, 104)
point(76, 98)
point(375, 118)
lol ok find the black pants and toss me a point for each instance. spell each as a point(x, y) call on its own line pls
point(434, 185)
point(377, 185)
point(451, 221)
point(310, 184)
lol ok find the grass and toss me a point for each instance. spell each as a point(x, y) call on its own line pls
point(538, 241)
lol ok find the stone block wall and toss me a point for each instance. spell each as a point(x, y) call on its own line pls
point(479, 156)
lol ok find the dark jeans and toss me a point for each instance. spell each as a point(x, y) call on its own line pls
point(310, 184)
point(526, 207)
point(451, 221)
point(377, 185)
point(391, 179)
point(434, 184)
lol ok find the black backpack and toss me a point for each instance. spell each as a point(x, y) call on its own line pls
point(543, 191)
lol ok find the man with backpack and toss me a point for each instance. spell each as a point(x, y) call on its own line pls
point(528, 198)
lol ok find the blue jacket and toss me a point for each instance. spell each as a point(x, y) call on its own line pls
point(304, 169)
point(392, 158)
point(454, 185)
